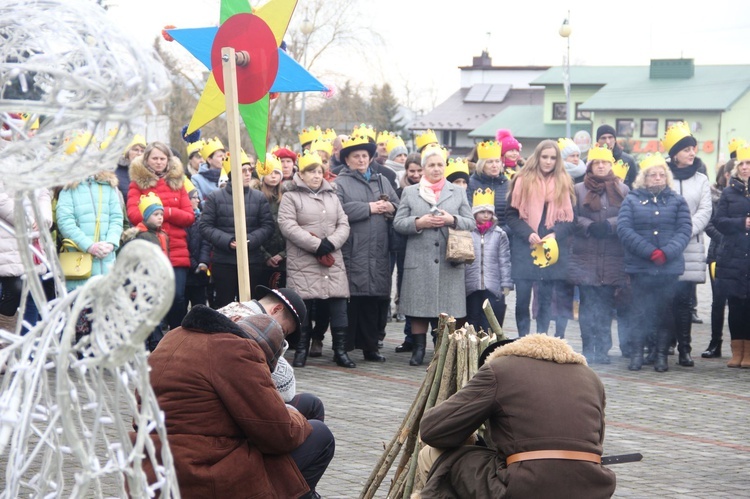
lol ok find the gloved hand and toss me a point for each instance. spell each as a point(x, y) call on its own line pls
point(658, 257)
point(599, 230)
point(202, 267)
point(325, 247)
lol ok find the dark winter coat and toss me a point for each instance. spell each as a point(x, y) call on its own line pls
point(123, 176)
point(711, 231)
point(732, 260)
point(499, 186)
point(522, 264)
point(596, 261)
point(275, 245)
point(647, 223)
point(228, 428)
point(200, 252)
point(619, 154)
point(565, 412)
point(178, 212)
point(217, 224)
point(365, 252)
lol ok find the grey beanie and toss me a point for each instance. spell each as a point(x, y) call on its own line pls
point(396, 151)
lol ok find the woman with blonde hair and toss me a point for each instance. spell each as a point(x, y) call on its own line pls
point(540, 207)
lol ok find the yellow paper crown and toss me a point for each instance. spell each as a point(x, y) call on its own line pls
point(226, 163)
point(545, 253)
point(564, 142)
point(484, 197)
point(26, 117)
point(394, 141)
point(138, 139)
point(620, 169)
point(600, 153)
point(432, 148)
point(322, 145)
point(194, 147)
point(309, 158)
point(366, 131)
point(489, 149)
point(428, 137)
point(111, 134)
point(355, 140)
point(743, 154)
point(271, 163)
point(188, 185)
point(383, 137)
point(310, 134)
point(735, 144)
point(79, 142)
point(210, 147)
point(329, 134)
point(652, 160)
point(675, 133)
point(147, 200)
point(456, 165)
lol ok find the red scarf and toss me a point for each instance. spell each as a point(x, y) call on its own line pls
point(484, 227)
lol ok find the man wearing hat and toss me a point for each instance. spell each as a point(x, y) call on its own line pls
point(607, 136)
point(227, 425)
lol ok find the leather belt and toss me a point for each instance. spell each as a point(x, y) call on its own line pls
point(570, 455)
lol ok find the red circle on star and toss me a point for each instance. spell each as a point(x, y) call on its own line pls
point(250, 33)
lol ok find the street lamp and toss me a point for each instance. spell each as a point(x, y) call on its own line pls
point(306, 28)
point(565, 31)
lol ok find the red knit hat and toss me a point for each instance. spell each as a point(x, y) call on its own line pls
point(507, 140)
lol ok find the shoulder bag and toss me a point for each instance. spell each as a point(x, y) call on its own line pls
point(76, 263)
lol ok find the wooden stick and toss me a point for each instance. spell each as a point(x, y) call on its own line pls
point(494, 324)
point(229, 65)
point(449, 370)
point(412, 473)
point(473, 356)
point(444, 340)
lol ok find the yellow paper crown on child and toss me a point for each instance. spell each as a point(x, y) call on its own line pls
point(433, 148)
point(427, 137)
point(210, 147)
point(652, 160)
point(489, 149)
point(355, 140)
point(735, 144)
point(309, 134)
point(364, 130)
point(564, 142)
point(620, 169)
point(329, 134)
point(322, 145)
point(456, 165)
point(308, 158)
point(675, 133)
point(393, 142)
point(194, 147)
point(383, 137)
point(271, 163)
point(743, 153)
point(483, 198)
point(226, 163)
point(147, 201)
point(600, 153)
point(545, 253)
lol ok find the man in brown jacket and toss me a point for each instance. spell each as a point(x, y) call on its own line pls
point(545, 408)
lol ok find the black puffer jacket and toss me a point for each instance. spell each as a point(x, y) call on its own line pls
point(200, 252)
point(733, 258)
point(711, 231)
point(217, 224)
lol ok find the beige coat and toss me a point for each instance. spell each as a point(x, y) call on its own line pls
point(303, 213)
point(10, 258)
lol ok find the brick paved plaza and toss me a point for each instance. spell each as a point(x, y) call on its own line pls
point(690, 424)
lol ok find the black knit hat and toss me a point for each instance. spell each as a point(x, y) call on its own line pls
point(605, 129)
point(290, 299)
point(681, 144)
point(456, 175)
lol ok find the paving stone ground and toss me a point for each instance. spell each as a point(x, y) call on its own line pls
point(690, 424)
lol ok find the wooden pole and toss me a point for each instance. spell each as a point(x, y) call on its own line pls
point(494, 324)
point(229, 65)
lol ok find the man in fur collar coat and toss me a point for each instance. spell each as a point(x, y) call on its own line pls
point(545, 408)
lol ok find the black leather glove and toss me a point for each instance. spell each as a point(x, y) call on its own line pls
point(325, 247)
point(599, 230)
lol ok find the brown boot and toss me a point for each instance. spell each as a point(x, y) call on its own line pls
point(745, 364)
point(737, 353)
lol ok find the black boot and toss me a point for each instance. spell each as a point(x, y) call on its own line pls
point(662, 350)
point(303, 347)
point(406, 346)
point(636, 352)
point(417, 354)
point(339, 349)
point(684, 326)
point(713, 350)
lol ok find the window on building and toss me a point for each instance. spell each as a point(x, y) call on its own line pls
point(559, 110)
point(649, 128)
point(669, 123)
point(582, 115)
point(625, 127)
point(449, 138)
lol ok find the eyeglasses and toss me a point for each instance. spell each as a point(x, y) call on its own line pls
point(245, 171)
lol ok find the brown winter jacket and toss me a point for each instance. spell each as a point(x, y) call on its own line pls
point(302, 214)
point(229, 431)
point(538, 394)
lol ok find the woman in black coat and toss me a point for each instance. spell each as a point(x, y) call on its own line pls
point(733, 221)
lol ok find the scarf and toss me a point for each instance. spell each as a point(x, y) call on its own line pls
point(158, 175)
point(530, 210)
point(430, 192)
point(575, 170)
point(684, 173)
point(483, 228)
point(595, 186)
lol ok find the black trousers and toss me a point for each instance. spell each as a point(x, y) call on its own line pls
point(739, 318)
point(595, 319)
point(226, 286)
point(652, 299)
point(523, 304)
point(309, 406)
point(367, 317)
point(315, 453)
point(475, 313)
point(682, 310)
point(195, 295)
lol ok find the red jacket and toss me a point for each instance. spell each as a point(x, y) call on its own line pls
point(178, 212)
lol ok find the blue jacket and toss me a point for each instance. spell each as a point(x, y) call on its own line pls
point(646, 223)
point(499, 185)
point(732, 260)
point(491, 267)
point(76, 212)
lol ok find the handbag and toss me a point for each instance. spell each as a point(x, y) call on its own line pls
point(77, 264)
point(459, 247)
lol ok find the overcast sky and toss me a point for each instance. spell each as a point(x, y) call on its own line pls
point(424, 46)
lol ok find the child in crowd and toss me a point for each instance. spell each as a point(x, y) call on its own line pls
point(200, 253)
point(488, 277)
point(150, 229)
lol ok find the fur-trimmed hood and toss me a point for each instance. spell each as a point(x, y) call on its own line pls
point(541, 347)
point(102, 177)
point(146, 179)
